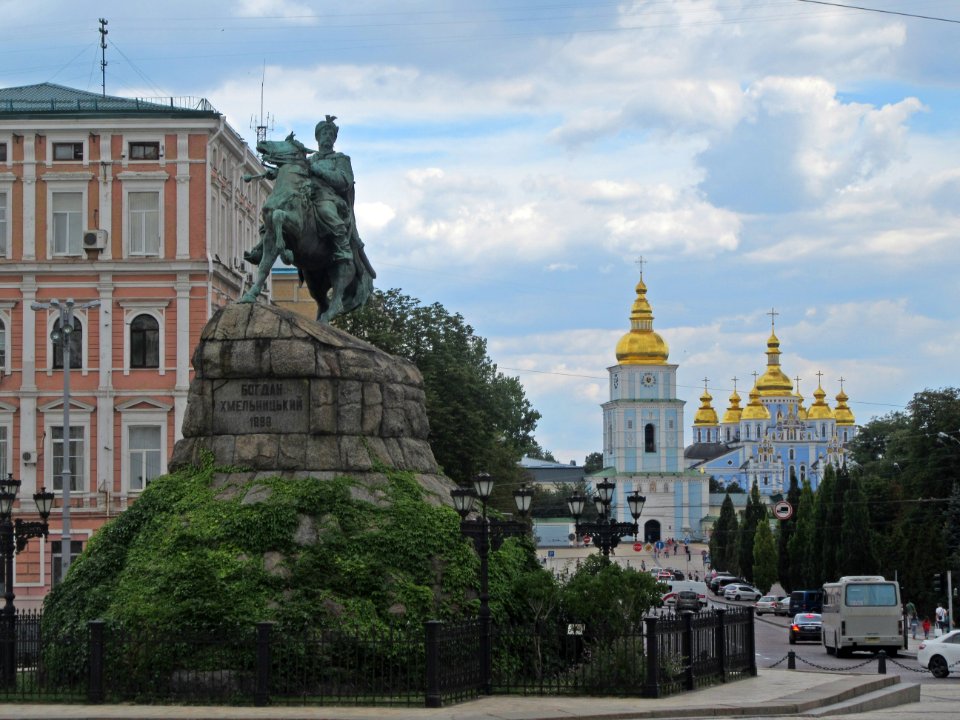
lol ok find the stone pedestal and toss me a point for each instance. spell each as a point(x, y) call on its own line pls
point(277, 393)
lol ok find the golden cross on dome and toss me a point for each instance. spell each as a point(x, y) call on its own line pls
point(640, 263)
point(819, 378)
point(705, 381)
point(773, 314)
point(797, 378)
point(734, 378)
point(755, 374)
point(841, 383)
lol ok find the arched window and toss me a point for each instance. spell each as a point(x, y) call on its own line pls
point(699, 436)
point(649, 443)
point(76, 347)
point(144, 342)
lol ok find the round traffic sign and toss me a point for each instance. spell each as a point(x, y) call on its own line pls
point(660, 545)
point(783, 510)
point(586, 539)
point(638, 547)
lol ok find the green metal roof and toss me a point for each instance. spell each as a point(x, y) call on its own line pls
point(48, 99)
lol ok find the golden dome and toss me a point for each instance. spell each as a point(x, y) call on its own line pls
point(774, 381)
point(801, 410)
point(755, 410)
point(706, 415)
point(819, 410)
point(642, 346)
point(733, 413)
point(842, 413)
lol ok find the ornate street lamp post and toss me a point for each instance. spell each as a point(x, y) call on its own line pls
point(488, 533)
point(61, 336)
point(606, 532)
point(14, 536)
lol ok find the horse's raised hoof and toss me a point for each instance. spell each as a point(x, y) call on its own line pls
point(254, 256)
point(286, 255)
point(248, 297)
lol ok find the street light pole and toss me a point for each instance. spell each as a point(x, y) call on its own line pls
point(61, 336)
point(488, 533)
point(14, 536)
point(606, 532)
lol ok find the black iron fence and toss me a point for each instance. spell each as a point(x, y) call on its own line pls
point(430, 665)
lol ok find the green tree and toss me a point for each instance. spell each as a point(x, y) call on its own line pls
point(723, 541)
point(823, 546)
point(803, 566)
point(480, 419)
point(755, 513)
point(785, 531)
point(716, 487)
point(593, 463)
point(764, 557)
point(604, 594)
point(856, 538)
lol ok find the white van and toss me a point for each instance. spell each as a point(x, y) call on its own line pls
point(699, 587)
point(862, 612)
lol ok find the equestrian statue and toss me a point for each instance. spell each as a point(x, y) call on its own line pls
point(308, 221)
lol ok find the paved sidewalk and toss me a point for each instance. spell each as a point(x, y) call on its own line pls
point(772, 692)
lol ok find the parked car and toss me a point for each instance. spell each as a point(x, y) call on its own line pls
point(783, 606)
point(804, 601)
point(806, 626)
point(939, 655)
point(719, 583)
point(688, 600)
point(739, 591)
point(766, 604)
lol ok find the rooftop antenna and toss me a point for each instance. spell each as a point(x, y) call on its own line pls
point(103, 56)
point(265, 122)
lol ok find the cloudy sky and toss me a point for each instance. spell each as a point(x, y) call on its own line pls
point(514, 158)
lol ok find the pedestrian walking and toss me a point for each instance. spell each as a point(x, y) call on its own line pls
point(911, 611)
point(941, 619)
point(926, 628)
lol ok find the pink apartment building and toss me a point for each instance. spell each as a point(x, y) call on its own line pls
point(140, 205)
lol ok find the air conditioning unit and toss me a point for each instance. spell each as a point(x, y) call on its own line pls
point(94, 239)
point(29, 457)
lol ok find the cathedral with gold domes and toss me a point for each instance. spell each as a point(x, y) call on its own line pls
point(774, 435)
point(643, 434)
point(762, 443)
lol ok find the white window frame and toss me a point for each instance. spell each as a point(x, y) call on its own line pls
point(52, 319)
point(6, 317)
point(6, 425)
point(6, 188)
point(138, 226)
point(132, 308)
point(79, 417)
point(66, 183)
point(139, 412)
point(143, 182)
point(57, 138)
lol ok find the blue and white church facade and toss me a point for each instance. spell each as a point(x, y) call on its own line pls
point(643, 430)
point(773, 435)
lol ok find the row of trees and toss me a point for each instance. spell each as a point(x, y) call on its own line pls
point(892, 509)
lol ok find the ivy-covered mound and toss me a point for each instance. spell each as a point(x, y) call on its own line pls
point(195, 554)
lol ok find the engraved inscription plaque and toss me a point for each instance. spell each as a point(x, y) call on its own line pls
point(244, 407)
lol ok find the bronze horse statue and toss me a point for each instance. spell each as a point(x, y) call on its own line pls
point(292, 231)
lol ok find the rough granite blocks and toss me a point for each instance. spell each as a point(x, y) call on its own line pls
point(291, 396)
